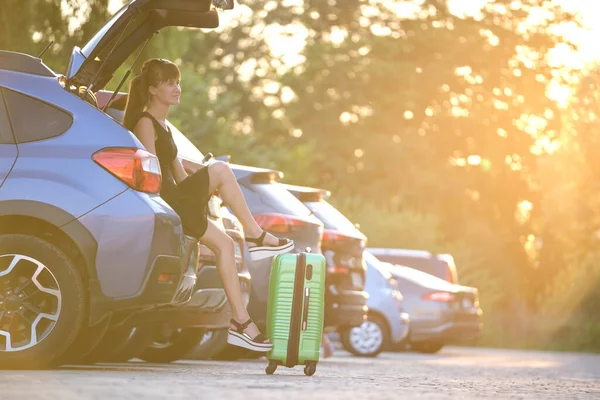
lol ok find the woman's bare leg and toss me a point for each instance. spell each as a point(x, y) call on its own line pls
point(223, 247)
point(222, 179)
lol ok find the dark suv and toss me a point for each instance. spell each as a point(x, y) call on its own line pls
point(281, 214)
point(343, 245)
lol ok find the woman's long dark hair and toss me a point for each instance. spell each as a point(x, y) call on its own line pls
point(154, 72)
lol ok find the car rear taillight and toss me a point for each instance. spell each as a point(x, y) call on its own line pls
point(332, 236)
point(337, 269)
point(444, 297)
point(137, 168)
point(280, 223)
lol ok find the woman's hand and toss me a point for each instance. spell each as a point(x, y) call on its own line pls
point(178, 171)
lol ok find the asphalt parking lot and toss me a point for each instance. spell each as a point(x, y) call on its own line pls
point(454, 373)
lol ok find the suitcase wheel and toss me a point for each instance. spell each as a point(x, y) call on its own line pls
point(270, 369)
point(310, 369)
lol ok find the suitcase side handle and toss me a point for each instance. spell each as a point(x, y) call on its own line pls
point(305, 311)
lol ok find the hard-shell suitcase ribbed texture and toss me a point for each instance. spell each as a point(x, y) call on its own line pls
point(296, 311)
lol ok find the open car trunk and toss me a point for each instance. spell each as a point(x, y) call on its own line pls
point(95, 63)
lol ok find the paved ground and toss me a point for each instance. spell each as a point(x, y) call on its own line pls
point(454, 373)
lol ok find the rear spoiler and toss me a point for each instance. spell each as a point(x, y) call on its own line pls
point(255, 175)
point(307, 194)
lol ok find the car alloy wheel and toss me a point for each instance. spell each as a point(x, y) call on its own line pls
point(30, 302)
point(366, 338)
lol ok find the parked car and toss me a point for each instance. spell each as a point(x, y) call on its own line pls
point(440, 312)
point(173, 333)
point(387, 325)
point(85, 239)
point(343, 246)
point(440, 265)
point(281, 214)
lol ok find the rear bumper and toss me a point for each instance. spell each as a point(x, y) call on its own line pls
point(161, 252)
point(208, 308)
point(345, 308)
point(448, 332)
point(399, 328)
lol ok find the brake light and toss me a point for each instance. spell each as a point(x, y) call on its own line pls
point(280, 223)
point(337, 269)
point(331, 235)
point(137, 168)
point(444, 297)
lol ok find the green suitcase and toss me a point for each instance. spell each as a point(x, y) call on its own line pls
point(296, 311)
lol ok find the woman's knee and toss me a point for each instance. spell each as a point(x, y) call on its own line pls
point(224, 246)
point(220, 170)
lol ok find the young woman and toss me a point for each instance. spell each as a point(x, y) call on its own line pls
point(151, 94)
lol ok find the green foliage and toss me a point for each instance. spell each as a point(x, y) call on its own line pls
point(429, 129)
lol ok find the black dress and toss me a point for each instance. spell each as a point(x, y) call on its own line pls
point(190, 197)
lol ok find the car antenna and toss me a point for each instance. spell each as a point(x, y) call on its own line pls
point(114, 94)
point(93, 81)
point(46, 48)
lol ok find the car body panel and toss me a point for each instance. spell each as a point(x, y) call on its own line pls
point(437, 321)
point(8, 156)
point(386, 300)
point(125, 227)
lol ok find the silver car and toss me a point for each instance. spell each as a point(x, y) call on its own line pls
point(387, 324)
point(440, 312)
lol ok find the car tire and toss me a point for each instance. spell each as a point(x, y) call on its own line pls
point(176, 346)
point(367, 340)
point(112, 346)
point(88, 339)
point(427, 347)
point(212, 343)
point(53, 295)
point(138, 341)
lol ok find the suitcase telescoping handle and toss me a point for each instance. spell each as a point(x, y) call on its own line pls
point(305, 311)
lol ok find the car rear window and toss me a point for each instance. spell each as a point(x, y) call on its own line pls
point(6, 136)
point(421, 278)
point(280, 199)
point(48, 122)
point(330, 216)
point(373, 262)
point(424, 264)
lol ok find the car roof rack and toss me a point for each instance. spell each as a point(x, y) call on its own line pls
point(19, 62)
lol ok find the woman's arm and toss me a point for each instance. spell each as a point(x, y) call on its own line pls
point(144, 131)
point(178, 171)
